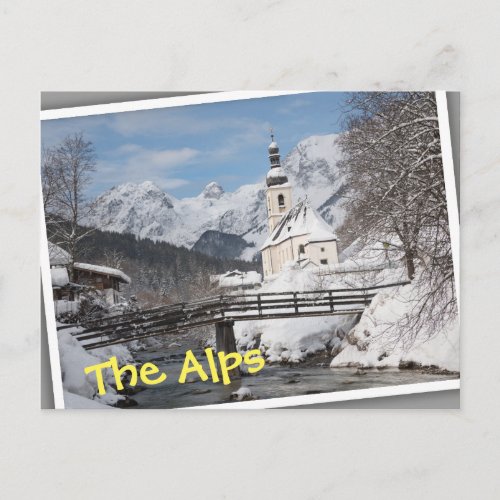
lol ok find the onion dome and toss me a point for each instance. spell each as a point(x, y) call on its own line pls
point(273, 148)
point(276, 175)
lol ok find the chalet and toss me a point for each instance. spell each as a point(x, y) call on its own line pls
point(105, 279)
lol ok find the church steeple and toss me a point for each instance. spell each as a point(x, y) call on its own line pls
point(276, 175)
point(279, 191)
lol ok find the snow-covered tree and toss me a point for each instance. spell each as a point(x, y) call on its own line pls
point(393, 164)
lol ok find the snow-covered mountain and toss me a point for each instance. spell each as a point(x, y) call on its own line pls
point(148, 212)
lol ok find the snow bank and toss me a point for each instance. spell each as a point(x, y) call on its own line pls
point(293, 339)
point(59, 276)
point(370, 345)
point(74, 402)
point(74, 358)
point(351, 343)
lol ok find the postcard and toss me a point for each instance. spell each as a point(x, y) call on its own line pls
point(242, 250)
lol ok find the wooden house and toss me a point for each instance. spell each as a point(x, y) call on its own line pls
point(102, 278)
point(105, 279)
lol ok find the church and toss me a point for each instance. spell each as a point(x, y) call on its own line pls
point(297, 233)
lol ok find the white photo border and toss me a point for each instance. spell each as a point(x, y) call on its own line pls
point(451, 197)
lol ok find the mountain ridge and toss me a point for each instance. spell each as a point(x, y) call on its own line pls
point(148, 212)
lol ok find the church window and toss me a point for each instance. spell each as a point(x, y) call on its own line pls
point(323, 261)
point(281, 200)
point(322, 249)
point(301, 249)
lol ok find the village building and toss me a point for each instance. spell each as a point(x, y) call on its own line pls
point(105, 279)
point(297, 233)
point(237, 281)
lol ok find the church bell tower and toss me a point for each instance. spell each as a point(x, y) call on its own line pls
point(279, 191)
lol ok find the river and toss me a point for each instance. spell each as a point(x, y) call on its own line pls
point(273, 381)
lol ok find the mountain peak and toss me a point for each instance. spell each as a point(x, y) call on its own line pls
point(212, 190)
point(149, 186)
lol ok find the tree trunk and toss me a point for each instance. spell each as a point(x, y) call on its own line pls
point(410, 264)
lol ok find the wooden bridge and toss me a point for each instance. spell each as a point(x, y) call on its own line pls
point(222, 311)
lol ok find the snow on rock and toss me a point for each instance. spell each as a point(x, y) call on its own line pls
point(141, 209)
point(370, 345)
point(146, 211)
point(213, 191)
point(74, 359)
point(242, 394)
point(311, 167)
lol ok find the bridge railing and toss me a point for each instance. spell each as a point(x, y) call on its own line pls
point(267, 305)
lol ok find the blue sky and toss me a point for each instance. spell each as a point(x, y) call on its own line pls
point(182, 149)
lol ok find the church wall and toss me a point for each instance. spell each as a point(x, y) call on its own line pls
point(275, 257)
point(281, 253)
point(329, 252)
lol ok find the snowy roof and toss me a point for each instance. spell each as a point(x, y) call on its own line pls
point(237, 278)
point(59, 276)
point(276, 176)
point(301, 220)
point(57, 255)
point(110, 271)
point(276, 172)
point(303, 263)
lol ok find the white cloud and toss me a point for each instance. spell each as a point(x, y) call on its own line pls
point(135, 163)
point(131, 155)
point(176, 122)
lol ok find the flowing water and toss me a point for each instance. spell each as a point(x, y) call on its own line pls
point(273, 381)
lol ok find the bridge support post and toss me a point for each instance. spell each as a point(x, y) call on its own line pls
point(225, 342)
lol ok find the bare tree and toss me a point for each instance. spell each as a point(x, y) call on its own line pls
point(49, 176)
point(66, 172)
point(113, 258)
point(392, 160)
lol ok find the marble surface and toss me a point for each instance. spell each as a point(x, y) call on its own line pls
point(225, 45)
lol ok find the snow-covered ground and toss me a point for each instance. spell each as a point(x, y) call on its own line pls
point(351, 340)
point(370, 344)
point(80, 390)
point(351, 343)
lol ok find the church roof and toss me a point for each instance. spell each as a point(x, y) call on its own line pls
point(301, 220)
